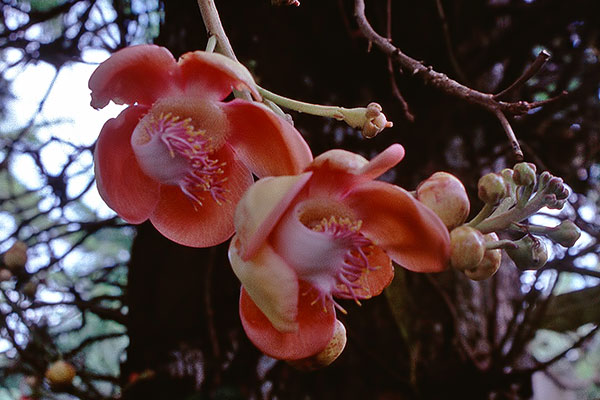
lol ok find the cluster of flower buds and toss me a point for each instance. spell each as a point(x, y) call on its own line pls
point(509, 197)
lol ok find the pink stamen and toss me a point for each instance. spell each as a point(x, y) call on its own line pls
point(205, 173)
point(355, 262)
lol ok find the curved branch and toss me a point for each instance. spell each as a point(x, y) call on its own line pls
point(442, 82)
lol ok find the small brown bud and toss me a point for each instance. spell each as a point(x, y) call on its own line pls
point(565, 234)
point(30, 289)
point(5, 275)
point(15, 258)
point(531, 253)
point(60, 373)
point(489, 264)
point(328, 355)
point(467, 247)
point(445, 195)
point(524, 174)
point(491, 188)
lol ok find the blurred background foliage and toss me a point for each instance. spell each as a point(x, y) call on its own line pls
point(141, 317)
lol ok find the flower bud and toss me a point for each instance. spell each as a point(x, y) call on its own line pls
point(491, 188)
point(15, 258)
point(553, 203)
point(467, 247)
point(507, 174)
point(376, 121)
point(5, 275)
point(531, 253)
point(60, 373)
point(565, 234)
point(445, 195)
point(328, 355)
point(524, 174)
point(489, 264)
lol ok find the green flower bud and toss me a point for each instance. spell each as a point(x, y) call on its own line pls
point(545, 178)
point(467, 247)
point(553, 203)
point(326, 356)
point(507, 174)
point(531, 253)
point(489, 264)
point(15, 258)
point(446, 196)
point(566, 233)
point(491, 188)
point(524, 174)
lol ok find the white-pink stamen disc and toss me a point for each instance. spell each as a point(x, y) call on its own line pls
point(170, 150)
point(329, 253)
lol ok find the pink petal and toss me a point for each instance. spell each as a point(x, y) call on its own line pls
point(214, 76)
point(382, 162)
point(271, 283)
point(121, 182)
point(348, 169)
point(181, 220)
point(410, 233)
point(261, 208)
point(139, 74)
point(315, 327)
point(266, 143)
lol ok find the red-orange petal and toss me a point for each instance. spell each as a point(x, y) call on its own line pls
point(315, 327)
point(409, 232)
point(121, 182)
point(214, 76)
point(181, 220)
point(139, 74)
point(265, 142)
point(373, 281)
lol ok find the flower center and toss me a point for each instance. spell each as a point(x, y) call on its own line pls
point(171, 151)
point(327, 250)
point(354, 263)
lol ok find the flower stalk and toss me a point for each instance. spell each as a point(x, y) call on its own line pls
point(370, 120)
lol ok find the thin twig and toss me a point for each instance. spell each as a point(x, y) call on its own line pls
point(448, 41)
point(577, 344)
point(514, 143)
point(533, 69)
point(390, 65)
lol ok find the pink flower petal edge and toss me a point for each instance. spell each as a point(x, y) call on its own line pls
point(120, 181)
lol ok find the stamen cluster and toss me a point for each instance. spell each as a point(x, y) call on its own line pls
point(205, 173)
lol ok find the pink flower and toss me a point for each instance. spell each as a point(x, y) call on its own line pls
point(179, 155)
point(330, 232)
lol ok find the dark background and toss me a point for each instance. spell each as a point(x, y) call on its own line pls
point(431, 336)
